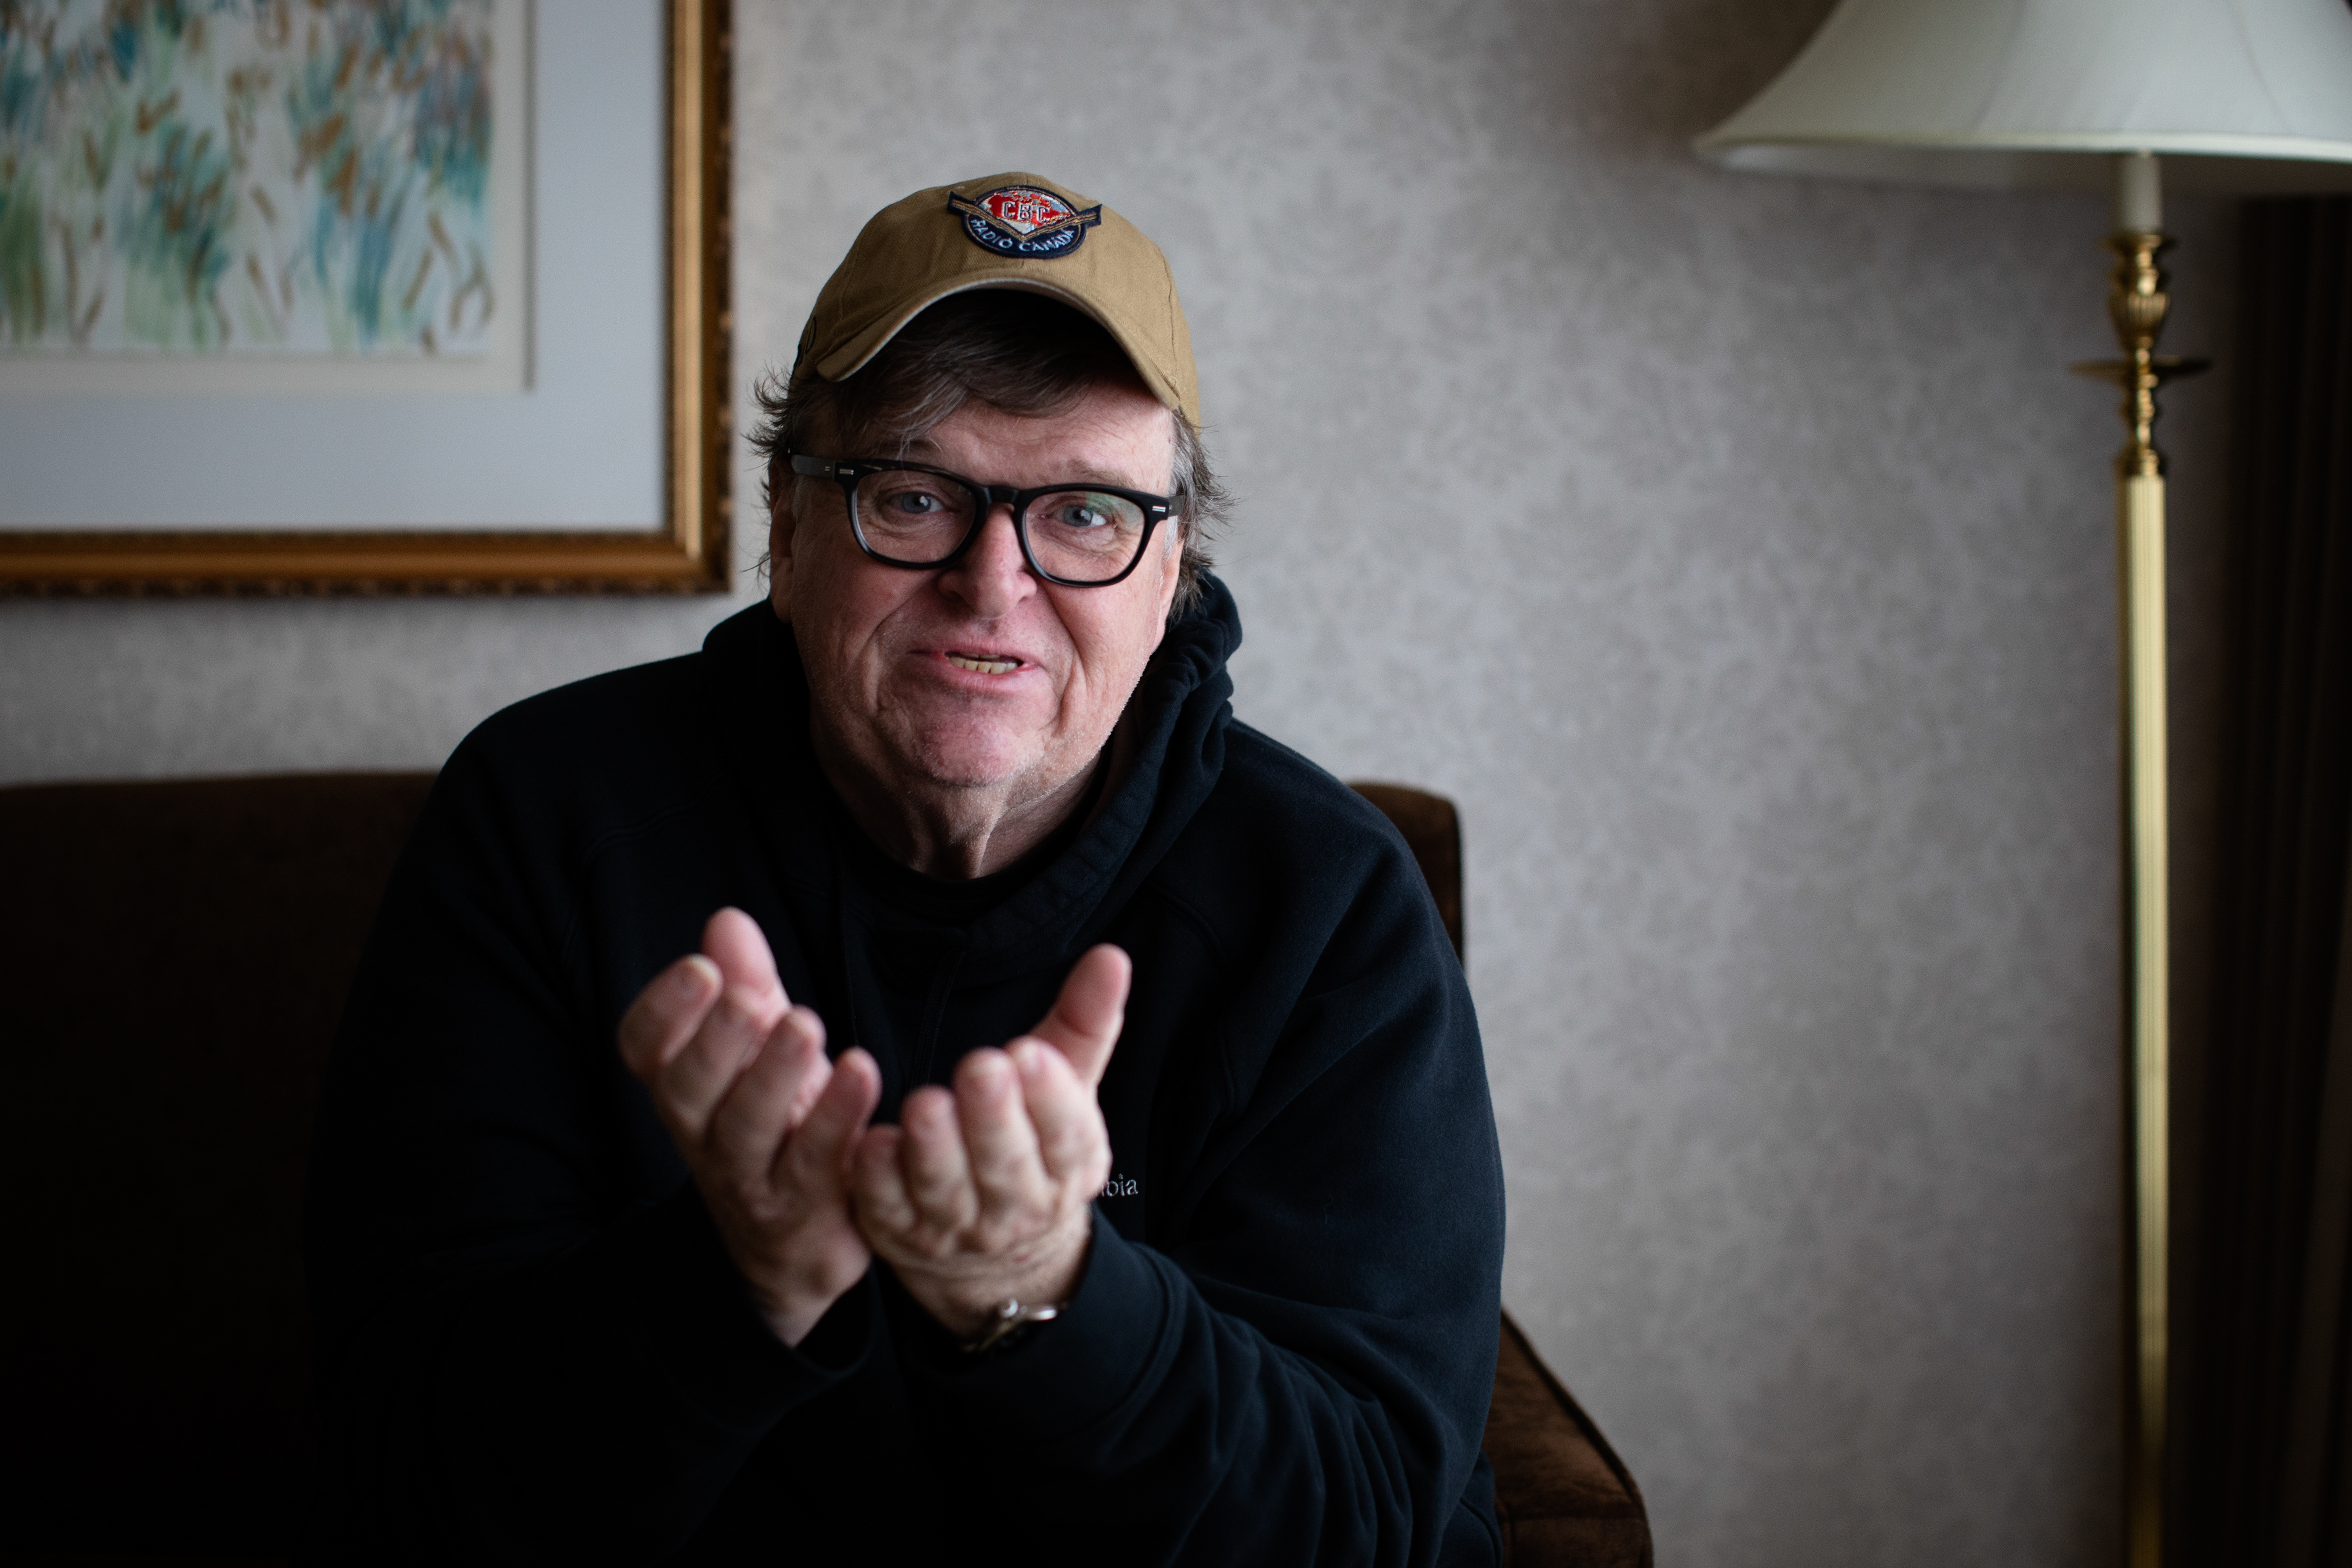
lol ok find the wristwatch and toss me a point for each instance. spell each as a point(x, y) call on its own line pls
point(1008, 1325)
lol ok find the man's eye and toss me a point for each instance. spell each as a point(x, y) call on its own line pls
point(914, 503)
point(1081, 512)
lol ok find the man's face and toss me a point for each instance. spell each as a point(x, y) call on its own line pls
point(977, 677)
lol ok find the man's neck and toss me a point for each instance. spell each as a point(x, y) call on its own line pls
point(942, 831)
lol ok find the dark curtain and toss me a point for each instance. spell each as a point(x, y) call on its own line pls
point(2263, 1411)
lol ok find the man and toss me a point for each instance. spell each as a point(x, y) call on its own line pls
point(1065, 1136)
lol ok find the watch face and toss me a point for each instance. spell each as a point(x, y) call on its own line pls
point(1013, 1323)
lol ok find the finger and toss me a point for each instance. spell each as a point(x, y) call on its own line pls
point(733, 941)
point(814, 1087)
point(1072, 1141)
point(884, 1210)
point(689, 1087)
point(1000, 1145)
point(816, 1157)
point(665, 1013)
point(764, 1102)
point(1085, 1022)
point(931, 1158)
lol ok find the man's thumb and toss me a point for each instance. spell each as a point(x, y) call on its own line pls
point(733, 941)
point(1084, 1023)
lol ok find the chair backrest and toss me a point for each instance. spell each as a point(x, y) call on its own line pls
point(1432, 829)
point(173, 960)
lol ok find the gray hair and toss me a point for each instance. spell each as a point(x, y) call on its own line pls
point(1021, 352)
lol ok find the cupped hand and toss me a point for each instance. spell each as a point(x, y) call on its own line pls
point(985, 1193)
point(766, 1124)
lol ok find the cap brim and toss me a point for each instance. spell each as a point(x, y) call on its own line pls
point(854, 355)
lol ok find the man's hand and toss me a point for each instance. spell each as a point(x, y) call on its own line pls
point(767, 1125)
point(986, 1194)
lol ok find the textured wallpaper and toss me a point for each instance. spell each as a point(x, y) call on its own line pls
point(1736, 551)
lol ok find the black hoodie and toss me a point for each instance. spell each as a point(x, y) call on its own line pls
point(533, 1345)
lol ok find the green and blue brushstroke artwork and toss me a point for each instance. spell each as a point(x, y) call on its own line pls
point(247, 177)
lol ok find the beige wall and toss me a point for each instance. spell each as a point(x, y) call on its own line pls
point(1735, 551)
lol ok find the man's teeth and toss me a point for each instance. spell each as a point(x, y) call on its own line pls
point(985, 666)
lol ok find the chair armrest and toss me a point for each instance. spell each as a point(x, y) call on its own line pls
point(1562, 1496)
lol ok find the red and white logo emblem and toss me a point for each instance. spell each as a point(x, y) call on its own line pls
point(1025, 210)
point(1024, 221)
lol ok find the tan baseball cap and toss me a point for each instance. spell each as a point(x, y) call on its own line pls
point(1005, 231)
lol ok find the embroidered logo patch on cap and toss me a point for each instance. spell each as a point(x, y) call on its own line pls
point(1024, 221)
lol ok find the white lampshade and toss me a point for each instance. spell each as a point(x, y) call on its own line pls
point(2250, 96)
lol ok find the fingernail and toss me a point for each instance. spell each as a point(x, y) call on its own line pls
point(1029, 1056)
point(695, 978)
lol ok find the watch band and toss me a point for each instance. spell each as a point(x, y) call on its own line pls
point(1008, 1322)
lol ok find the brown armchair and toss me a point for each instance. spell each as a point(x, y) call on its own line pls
point(1561, 1495)
point(172, 958)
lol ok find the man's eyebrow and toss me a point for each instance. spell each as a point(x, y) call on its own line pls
point(1084, 475)
point(921, 449)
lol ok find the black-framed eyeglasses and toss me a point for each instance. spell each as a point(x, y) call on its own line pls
point(905, 515)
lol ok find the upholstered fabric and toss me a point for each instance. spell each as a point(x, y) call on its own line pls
point(173, 956)
point(1561, 1493)
point(1433, 830)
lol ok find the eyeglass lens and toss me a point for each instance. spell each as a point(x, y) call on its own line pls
point(1076, 535)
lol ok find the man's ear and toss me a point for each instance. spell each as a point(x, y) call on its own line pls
point(1171, 542)
point(1172, 555)
point(781, 524)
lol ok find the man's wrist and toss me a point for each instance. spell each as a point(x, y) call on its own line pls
point(964, 1311)
point(792, 1324)
point(791, 1313)
point(968, 1306)
point(1012, 1321)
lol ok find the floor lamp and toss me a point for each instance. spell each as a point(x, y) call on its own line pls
point(2218, 96)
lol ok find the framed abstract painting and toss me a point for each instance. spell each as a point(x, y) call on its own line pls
point(363, 296)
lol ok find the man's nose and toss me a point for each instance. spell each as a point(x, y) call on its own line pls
point(992, 575)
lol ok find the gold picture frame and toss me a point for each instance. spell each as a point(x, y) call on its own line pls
point(688, 553)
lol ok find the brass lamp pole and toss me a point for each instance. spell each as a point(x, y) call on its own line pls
point(2137, 304)
point(2238, 96)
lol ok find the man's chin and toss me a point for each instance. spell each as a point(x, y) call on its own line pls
point(971, 763)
